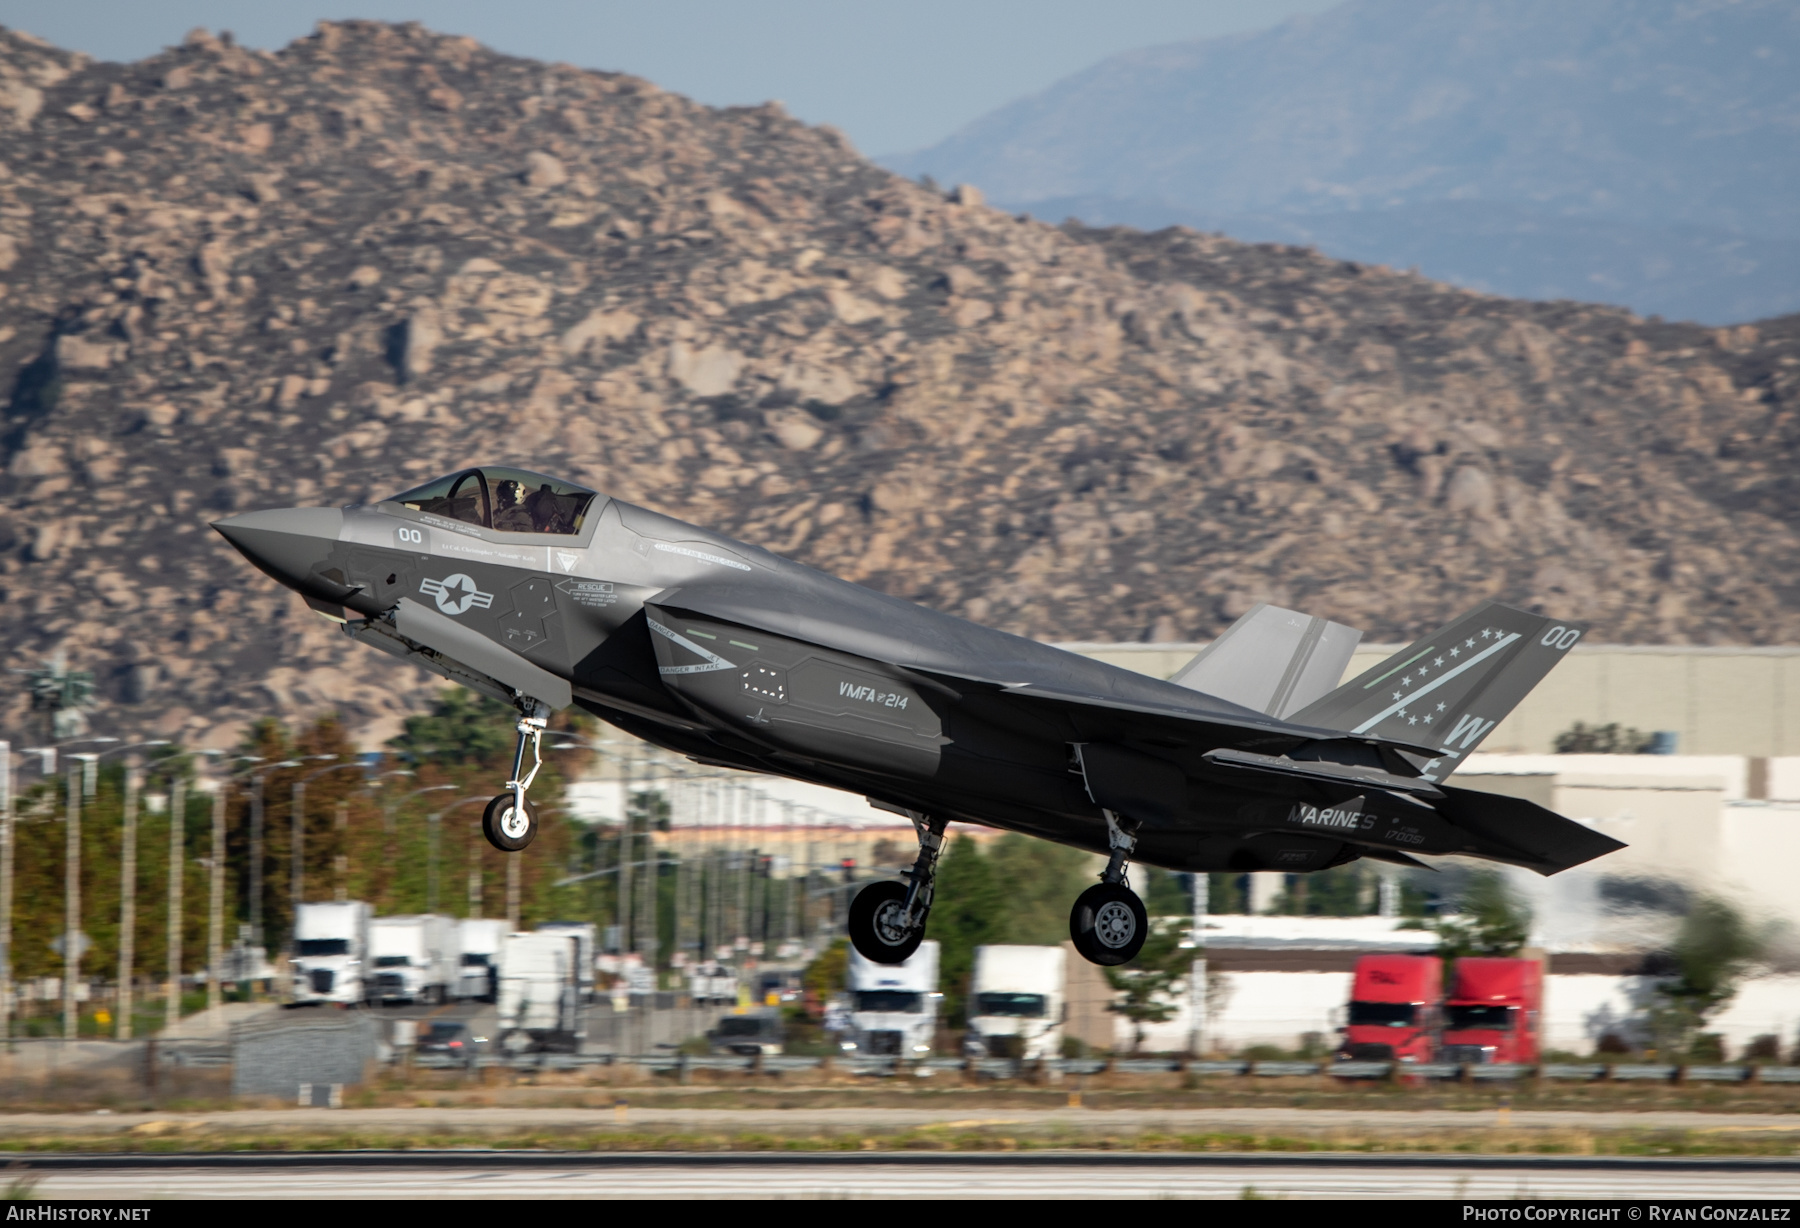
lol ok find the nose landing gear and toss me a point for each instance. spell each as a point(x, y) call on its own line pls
point(887, 919)
point(510, 822)
point(1109, 923)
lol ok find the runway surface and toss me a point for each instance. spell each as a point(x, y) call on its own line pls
point(640, 1117)
point(1038, 1175)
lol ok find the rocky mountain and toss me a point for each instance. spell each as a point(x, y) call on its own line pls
point(234, 279)
point(1642, 152)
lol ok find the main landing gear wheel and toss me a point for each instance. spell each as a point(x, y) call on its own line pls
point(878, 927)
point(1108, 924)
point(508, 826)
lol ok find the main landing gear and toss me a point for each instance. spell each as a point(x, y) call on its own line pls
point(887, 919)
point(1108, 923)
point(510, 822)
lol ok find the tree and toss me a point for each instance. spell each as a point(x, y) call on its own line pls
point(1711, 952)
point(1042, 879)
point(1613, 739)
point(1145, 983)
point(1492, 920)
point(829, 973)
point(969, 910)
point(463, 727)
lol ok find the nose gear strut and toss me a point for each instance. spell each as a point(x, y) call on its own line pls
point(510, 822)
point(887, 919)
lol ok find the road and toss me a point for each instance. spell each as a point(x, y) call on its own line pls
point(461, 1175)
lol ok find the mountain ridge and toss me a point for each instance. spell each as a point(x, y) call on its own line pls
point(1655, 116)
point(237, 279)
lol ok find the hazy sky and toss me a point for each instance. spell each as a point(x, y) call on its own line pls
point(894, 75)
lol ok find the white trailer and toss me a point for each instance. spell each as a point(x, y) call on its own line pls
point(540, 992)
point(331, 945)
point(415, 958)
point(894, 1007)
point(479, 976)
point(712, 982)
point(586, 932)
point(1016, 1002)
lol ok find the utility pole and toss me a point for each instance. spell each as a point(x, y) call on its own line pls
point(72, 902)
point(475, 842)
point(432, 826)
point(512, 891)
point(256, 859)
point(128, 896)
point(177, 869)
point(340, 864)
point(297, 858)
point(215, 919)
point(6, 892)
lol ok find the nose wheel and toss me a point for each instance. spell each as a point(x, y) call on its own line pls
point(1109, 923)
point(507, 825)
point(510, 821)
point(878, 928)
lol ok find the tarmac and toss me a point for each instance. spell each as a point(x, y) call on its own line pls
point(1069, 1175)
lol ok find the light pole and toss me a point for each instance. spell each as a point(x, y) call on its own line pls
point(6, 884)
point(297, 851)
point(215, 911)
point(390, 808)
point(71, 901)
point(433, 827)
point(256, 848)
point(47, 767)
point(177, 879)
point(128, 882)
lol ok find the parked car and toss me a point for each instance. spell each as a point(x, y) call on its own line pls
point(450, 1041)
point(748, 1034)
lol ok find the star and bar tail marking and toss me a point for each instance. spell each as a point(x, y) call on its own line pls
point(1504, 641)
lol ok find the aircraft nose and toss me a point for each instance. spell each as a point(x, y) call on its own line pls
point(284, 542)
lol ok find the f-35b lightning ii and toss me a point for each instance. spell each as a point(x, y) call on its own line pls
point(542, 593)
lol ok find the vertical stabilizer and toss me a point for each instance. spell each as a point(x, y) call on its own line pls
point(1452, 687)
point(1273, 660)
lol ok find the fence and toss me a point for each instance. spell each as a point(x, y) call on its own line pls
point(311, 1062)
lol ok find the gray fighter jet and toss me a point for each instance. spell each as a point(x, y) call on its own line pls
point(542, 593)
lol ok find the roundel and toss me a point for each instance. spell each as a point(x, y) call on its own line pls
point(456, 594)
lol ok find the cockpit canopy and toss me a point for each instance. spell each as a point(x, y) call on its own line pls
point(505, 500)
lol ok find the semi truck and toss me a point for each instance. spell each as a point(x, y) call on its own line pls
point(1395, 1009)
point(479, 942)
point(540, 992)
point(331, 945)
point(586, 932)
point(1493, 1011)
point(415, 958)
point(894, 1007)
point(1016, 1002)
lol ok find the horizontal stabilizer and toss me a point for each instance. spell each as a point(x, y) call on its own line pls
point(1449, 689)
point(1395, 857)
point(1273, 660)
point(1522, 833)
point(1332, 773)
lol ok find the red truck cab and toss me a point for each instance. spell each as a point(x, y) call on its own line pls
point(1493, 1011)
point(1394, 1009)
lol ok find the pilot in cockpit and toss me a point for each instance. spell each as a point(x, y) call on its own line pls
point(511, 516)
